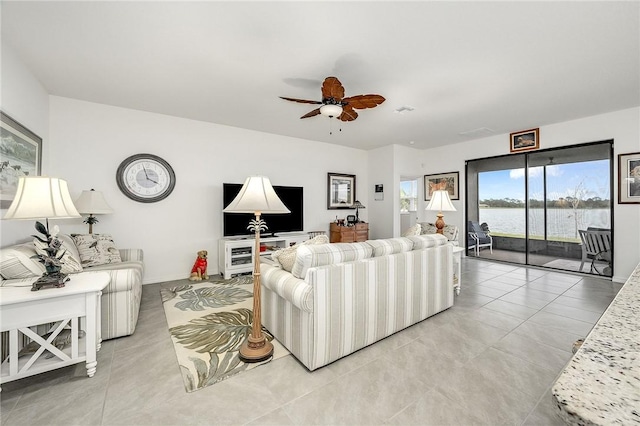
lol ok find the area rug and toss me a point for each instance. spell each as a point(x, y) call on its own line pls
point(208, 321)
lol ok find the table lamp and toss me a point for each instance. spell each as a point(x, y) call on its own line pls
point(440, 202)
point(92, 202)
point(256, 196)
point(358, 205)
point(39, 197)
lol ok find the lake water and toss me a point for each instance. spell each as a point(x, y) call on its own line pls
point(562, 223)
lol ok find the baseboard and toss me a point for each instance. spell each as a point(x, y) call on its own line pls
point(620, 280)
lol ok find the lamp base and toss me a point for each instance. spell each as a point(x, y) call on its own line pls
point(439, 223)
point(256, 349)
point(55, 279)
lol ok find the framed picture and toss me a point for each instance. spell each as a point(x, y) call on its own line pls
point(445, 181)
point(20, 155)
point(526, 140)
point(629, 178)
point(341, 191)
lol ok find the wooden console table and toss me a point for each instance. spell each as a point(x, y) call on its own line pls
point(21, 309)
point(359, 232)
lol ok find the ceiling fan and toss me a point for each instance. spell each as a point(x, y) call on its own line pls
point(334, 104)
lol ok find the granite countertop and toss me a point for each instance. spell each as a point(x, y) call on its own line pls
point(601, 383)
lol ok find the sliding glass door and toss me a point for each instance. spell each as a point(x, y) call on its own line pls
point(549, 208)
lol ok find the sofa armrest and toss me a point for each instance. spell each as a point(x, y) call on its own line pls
point(284, 284)
point(124, 276)
point(131, 254)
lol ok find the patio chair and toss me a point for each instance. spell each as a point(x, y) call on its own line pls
point(478, 237)
point(596, 246)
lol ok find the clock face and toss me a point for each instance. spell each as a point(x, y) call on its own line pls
point(145, 178)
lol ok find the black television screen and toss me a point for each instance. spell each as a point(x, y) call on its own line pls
point(236, 223)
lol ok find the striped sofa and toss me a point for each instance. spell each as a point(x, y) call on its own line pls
point(339, 298)
point(120, 299)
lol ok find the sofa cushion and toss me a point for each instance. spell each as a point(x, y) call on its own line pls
point(414, 230)
point(16, 262)
point(96, 249)
point(309, 256)
point(428, 240)
point(449, 231)
point(286, 257)
point(390, 246)
point(70, 259)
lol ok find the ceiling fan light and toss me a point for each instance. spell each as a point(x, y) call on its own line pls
point(331, 110)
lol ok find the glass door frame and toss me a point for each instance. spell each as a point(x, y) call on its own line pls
point(526, 184)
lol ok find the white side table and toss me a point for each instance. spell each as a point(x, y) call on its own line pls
point(457, 267)
point(21, 308)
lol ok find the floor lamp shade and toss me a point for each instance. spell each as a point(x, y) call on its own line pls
point(40, 197)
point(256, 196)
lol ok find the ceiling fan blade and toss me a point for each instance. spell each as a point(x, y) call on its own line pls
point(348, 113)
point(302, 101)
point(332, 88)
point(364, 101)
point(311, 113)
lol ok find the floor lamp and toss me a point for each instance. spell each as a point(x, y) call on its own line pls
point(256, 196)
point(440, 202)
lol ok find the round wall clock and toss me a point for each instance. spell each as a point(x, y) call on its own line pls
point(145, 178)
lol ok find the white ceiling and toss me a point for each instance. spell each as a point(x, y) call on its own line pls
point(463, 66)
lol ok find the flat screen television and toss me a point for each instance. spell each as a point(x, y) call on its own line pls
point(236, 223)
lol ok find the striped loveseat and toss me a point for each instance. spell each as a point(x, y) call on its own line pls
point(120, 299)
point(339, 298)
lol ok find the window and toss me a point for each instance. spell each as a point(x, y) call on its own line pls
point(408, 196)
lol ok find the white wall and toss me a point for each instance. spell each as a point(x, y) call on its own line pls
point(89, 141)
point(621, 126)
point(23, 98)
point(382, 213)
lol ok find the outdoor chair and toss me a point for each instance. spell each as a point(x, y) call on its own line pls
point(478, 237)
point(596, 246)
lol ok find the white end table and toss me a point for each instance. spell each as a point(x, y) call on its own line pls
point(78, 301)
point(457, 267)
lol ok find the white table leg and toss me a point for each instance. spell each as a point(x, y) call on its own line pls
point(91, 335)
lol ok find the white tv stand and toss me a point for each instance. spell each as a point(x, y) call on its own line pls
point(236, 254)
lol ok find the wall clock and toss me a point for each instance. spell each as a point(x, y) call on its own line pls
point(145, 178)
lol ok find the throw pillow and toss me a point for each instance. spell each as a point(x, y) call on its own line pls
point(70, 263)
point(16, 262)
point(286, 257)
point(96, 249)
point(414, 230)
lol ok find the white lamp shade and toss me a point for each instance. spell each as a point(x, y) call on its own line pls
point(331, 110)
point(257, 196)
point(441, 202)
point(92, 202)
point(40, 197)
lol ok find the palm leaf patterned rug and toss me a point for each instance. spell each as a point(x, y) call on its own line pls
point(208, 321)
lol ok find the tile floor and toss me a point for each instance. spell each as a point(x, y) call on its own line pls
point(491, 359)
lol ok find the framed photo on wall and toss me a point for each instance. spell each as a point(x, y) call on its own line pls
point(20, 155)
point(629, 178)
point(525, 140)
point(442, 181)
point(341, 191)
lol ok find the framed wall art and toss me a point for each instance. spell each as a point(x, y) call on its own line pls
point(525, 140)
point(20, 155)
point(442, 181)
point(629, 178)
point(341, 191)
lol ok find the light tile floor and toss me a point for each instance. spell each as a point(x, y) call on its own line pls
point(491, 359)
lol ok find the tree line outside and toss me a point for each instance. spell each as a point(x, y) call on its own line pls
point(560, 203)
